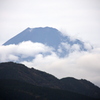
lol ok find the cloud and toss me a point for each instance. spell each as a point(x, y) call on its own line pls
point(87, 46)
point(22, 50)
point(78, 64)
point(69, 48)
point(29, 48)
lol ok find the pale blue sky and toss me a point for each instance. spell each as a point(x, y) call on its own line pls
point(75, 17)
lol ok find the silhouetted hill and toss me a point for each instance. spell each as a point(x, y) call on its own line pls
point(17, 90)
point(20, 72)
point(14, 71)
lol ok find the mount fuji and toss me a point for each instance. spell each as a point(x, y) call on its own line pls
point(61, 45)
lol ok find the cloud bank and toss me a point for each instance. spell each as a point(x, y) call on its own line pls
point(22, 50)
point(78, 64)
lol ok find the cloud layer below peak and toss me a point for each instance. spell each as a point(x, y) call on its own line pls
point(78, 64)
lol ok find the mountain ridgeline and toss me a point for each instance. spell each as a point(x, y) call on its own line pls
point(47, 36)
point(20, 80)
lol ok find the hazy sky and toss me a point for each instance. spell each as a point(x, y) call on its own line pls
point(79, 18)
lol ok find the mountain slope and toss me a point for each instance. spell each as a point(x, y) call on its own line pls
point(80, 86)
point(17, 90)
point(14, 71)
point(20, 72)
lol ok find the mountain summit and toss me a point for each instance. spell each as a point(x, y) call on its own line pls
point(47, 36)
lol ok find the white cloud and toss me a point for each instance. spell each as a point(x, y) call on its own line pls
point(12, 58)
point(66, 45)
point(75, 47)
point(24, 50)
point(6, 51)
point(31, 49)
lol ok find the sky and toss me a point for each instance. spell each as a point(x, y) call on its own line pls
point(77, 18)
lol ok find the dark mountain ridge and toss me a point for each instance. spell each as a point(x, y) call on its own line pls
point(20, 72)
point(14, 71)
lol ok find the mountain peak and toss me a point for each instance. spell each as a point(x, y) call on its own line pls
point(39, 34)
point(42, 28)
point(50, 37)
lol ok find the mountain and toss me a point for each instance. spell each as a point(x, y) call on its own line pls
point(19, 72)
point(47, 36)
